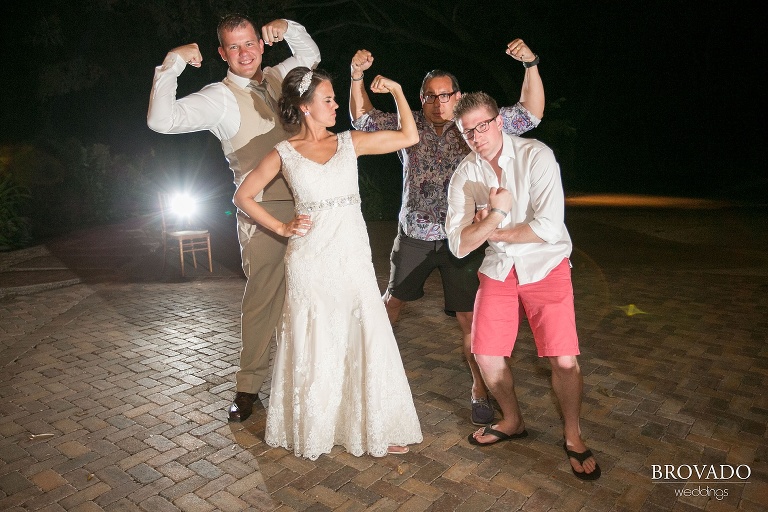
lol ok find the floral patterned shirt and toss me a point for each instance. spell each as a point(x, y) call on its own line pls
point(429, 164)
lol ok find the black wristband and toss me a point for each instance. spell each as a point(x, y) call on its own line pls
point(534, 62)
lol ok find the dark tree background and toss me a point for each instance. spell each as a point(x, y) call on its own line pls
point(659, 97)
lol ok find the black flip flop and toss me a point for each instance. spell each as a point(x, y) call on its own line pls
point(498, 433)
point(581, 457)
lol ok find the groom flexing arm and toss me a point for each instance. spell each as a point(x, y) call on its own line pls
point(241, 111)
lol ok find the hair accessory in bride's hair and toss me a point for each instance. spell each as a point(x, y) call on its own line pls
point(305, 81)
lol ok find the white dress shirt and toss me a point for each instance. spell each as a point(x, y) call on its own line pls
point(532, 175)
point(214, 107)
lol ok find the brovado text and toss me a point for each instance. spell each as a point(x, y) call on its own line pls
point(702, 472)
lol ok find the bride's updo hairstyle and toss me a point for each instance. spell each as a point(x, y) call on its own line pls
point(298, 88)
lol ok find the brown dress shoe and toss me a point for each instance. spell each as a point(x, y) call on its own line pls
point(242, 407)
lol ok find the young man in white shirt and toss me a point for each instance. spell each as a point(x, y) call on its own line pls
point(508, 192)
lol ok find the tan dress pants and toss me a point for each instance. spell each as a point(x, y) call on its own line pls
point(263, 254)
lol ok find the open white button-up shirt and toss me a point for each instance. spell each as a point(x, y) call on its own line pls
point(531, 173)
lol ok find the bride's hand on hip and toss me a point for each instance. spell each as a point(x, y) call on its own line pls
point(298, 226)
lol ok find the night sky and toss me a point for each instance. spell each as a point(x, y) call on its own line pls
point(660, 97)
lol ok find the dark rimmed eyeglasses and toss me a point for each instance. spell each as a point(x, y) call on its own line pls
point(444, 97)
point(480, 128)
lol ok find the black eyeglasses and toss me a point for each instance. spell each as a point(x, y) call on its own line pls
point(480, 128)
point(444, 97)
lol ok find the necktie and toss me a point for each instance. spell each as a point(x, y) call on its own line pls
point(261, 90)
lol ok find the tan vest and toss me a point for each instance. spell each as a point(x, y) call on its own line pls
point(260, 129)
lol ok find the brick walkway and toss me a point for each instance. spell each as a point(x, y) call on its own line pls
point(112, 392)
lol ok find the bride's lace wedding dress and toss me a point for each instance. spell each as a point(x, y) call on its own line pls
point(338, 378)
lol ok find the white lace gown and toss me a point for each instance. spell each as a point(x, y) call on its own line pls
point(338, 378)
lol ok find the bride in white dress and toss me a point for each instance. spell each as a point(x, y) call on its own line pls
point(337, 378)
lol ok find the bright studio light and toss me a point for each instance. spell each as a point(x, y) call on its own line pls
point(183, 205)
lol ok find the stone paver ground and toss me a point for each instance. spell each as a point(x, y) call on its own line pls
point(113, 392)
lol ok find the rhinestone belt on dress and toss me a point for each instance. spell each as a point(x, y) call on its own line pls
point(327, 204)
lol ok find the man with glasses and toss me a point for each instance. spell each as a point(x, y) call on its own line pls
point(421, 245)
point(517, 184)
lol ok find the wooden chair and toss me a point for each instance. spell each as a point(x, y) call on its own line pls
point(190, 241)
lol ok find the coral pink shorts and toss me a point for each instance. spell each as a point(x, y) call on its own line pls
point(548, 304)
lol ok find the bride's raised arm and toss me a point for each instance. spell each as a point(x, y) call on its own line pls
point(387, 141)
